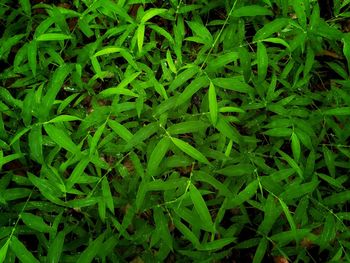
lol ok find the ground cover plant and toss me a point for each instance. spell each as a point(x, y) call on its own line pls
point(174, 131)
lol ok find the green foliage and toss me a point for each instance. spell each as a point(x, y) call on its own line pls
point(175, 131)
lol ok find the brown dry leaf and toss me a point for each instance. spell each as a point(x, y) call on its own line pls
point(306, 243)
point(137, 260)
point(280, 259)
point(129, 165)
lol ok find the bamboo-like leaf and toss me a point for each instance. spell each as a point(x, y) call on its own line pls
point(216, 244)
point(251, 10)
point(289, 218)
point(183, 77)
point(292, 163)
point(120, 130)
point(329, 160)
point(35, 222)
point(187, 127)
point(157, 155)
point(56, 247)
point(244, 195)
point(141, 135)
point(53, 37)
point(36, 143)
point(213, 104)
point(107, 195)
point(191, 89)
point(190, 150)
point(3, 250)
point(296, 147)
point(140, 36)
point(77, 172)
point(32, 55)
point(200, 206)
point(270, 28)
point(61, 138)
point(263, 61)
point(260, 251)
point(92, 250)
point(95, 139)
point(152, 13)
point(21, 252)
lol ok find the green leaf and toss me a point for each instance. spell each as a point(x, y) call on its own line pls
point(183, 77)
point(188, 127)
point(32, 55)
point(346, 48)
point(330, 180)
point(260, 251)
point(221, 61)
point(89, 254)
point(63, 118)
point(187, 232)
point(60, 137)
point(216, 244)
point(337, 198)
point(296, 147)
point(276, 40)
point(149, 14)
point(201, 207)
point(270, 28)
point(227, 129)
point(140, 36)
point(298, 190)
point(213, 104)
point(120, 130)
point(56, 247)
point(53, 37)
point(107, 195)
point(157, 156)
point(342, 111)
point(271, 214)
point(35, 222)
point(289, 218)
point(263, 61)
point(244, 195)
point(233, 84)
point(299, 7)
point(279, 132)
point(201, 32)
point(95, 139)
point(3, 250)
point(35, 142)
point(26, 8)
point(291, 162)
point(162, 32)
point(19, 134)
point(6, 159)
point(205, 177)
point(162, 226)
point(57, 81)
point(46, 189)
point(191, 89)
point(190, 150)
point(141, 135)
point(329, 232)
point(108, 50)
point(21, 252)
point(77, 172)
point(170, 62)
point(117, 91)
point(252, 10)
point(329, 160)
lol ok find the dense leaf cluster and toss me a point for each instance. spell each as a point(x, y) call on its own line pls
point(174, 131)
